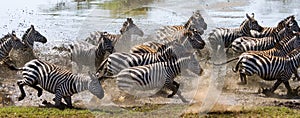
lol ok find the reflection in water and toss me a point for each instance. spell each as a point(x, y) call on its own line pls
point(117, 7)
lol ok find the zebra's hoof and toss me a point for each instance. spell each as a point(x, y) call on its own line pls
point(21, 98)
point(241, 83)
point(267, 92)
point(40, 94)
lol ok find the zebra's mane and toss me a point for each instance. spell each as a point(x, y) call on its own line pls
point(244, 22)
point(4, 38)
point(26, 33)
point(281, 24)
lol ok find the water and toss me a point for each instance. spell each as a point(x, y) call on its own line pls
point(66, 20)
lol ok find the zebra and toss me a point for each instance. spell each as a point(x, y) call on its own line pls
point(56, 80)
point(5, 37)
point(188, 39)
point(116, 62)
point(128, 29)
point(156, 75)
point(271, 31)
point(195, 22)
point(12, 42)
point(221, 38)
point(31, 36)
point(269, 68)
point(243, 44)
point(93, 56)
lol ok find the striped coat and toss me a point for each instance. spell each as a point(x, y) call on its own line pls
point(55, 80)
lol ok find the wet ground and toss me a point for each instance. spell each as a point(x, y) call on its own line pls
point(65, 21)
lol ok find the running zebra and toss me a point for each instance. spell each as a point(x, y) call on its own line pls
point(195, 22)
point(93, 56)
point(273, 31)
point(12, 42)
point(269, 68)
point(244, 44)
point(189, 39)
point(31, 36)
point(4, 38)
point(221, 38)
point(56, 80)
point(156, 76)
point(116, 62)
point(128, 29)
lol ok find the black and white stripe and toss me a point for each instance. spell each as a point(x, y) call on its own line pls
point(273, 31)
point(156, 76)
point(119, 61)
point(221, 38)
point(9, 44)
point(55, 80)
point(268, 67)
point(31, 36)
point(244, 44)
point(4, 38)
point(195, 22)
point(128, 29)
point(90, 55)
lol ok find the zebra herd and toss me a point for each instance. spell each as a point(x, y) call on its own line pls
point(270, 52)
point(148, 66)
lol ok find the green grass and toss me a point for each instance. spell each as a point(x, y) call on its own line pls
point(252, 112)
point(13, 111)
point(34, 112)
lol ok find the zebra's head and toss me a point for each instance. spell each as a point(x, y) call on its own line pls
point(195, 40)
point(251, 24)
point(95, 86)
point(192, 65)
point(31, 36)
point(130, 28)
point(15, 42)
point(292, 22)
point(289, 27)
point(197, 22)
point(106, 44)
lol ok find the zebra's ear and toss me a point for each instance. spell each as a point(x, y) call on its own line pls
point(13, 33)
point(250, 17)
point(129, 20)
point(32, 27)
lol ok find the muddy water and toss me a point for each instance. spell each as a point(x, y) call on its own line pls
point(65, 21)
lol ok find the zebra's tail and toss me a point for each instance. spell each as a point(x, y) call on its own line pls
point(102, 78)
point(13, 67)
point(226, 61)
point(236, 66)
point(101, 67)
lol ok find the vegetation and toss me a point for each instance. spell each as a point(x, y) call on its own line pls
point(264, 111)
point(33, 112)
point(256, 112)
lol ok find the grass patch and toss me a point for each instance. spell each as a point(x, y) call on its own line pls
point(263, 111)
point(145, 108)
point(13, 111)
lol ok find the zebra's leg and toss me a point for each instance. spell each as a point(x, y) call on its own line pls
point(297, 77)
point(58, 97)
point(174, 87)
point(270, 92)
point(290, 92)
point(21, 83)
point(243, 79)
point(68, 101)
point(39, 89)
